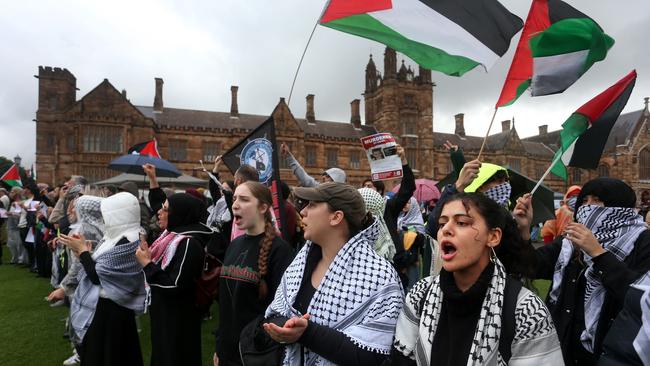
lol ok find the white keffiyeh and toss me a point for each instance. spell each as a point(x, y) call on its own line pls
point(218, 214)
point(616, 229)
point(535, 340)
point(376, 205)
point(360, 296)
point(412, 218)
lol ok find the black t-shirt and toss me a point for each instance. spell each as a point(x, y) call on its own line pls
point(239, 301)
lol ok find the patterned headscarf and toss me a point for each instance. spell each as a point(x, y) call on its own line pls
point(89, 218)
point(376, 205)
point(412, 218)
point(616, 229)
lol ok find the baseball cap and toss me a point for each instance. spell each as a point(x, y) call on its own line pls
point(340, 196)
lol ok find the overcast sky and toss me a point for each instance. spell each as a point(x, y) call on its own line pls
point(201, 48)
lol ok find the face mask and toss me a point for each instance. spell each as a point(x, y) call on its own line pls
point(500, 194)
point(571, 202)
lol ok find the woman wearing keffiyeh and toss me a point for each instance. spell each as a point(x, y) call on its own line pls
point(460, 317)
point(171, 266)
point(592, 265)
point(338, 301)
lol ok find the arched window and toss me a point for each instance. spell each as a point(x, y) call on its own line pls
point(577, 176)
point(603, 170)
point(644, 164)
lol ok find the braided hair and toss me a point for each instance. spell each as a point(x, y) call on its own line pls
point(263, 195)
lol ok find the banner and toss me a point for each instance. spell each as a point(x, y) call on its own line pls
point(381, 150)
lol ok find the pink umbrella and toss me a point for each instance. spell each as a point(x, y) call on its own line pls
point(425, 190)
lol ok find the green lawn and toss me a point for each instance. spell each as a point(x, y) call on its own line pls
point(31, 331)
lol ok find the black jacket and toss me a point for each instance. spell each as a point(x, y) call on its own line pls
point(617, 346)
point(616, 276)
point(395, 205)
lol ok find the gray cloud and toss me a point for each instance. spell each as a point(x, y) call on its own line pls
point(201, 48)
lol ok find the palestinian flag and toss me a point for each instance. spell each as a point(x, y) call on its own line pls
point(452, 37)
point(557, 46)
point(585, 133)
point(149, 148)
point(11, 177)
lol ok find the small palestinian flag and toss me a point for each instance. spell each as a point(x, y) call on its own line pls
point(11, 177)
point(452, 37)
point(557, 46)
point(149, 148)
point(585, 133)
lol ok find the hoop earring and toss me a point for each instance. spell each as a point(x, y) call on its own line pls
point(493, 255)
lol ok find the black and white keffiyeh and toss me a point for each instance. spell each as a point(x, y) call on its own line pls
point(376, 205)
point(360, 296)
point(616, 229)
point(535, 341)
point(218, 214)
point(122, 281)
point(642, 340)
point(89, 218)
point(412, 218)
point(500, 194)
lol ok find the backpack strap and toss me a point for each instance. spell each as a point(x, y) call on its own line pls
point(511, 293)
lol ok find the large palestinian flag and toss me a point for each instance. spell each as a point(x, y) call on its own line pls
point(452, 37)
point(557, 46)
point(11, 177)
point(585, 133)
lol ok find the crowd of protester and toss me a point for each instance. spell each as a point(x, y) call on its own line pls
point(353, 277)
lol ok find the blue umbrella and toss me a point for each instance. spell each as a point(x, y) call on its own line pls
point(133, 163)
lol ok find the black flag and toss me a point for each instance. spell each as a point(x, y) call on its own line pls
point(259, 150)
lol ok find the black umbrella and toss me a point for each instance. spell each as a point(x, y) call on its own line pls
point(543, 207)
point(133, 163)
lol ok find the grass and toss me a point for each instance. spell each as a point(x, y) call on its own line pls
point(31, 332)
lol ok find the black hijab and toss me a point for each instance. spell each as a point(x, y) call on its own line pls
point(184, 210)
point(613, 193)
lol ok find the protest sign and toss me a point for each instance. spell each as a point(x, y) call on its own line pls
point(381, 150)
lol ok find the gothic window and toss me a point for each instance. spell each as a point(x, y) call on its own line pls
point(177, 150)
point(577, 176)
point(355, 161)
point(210, 151)
point(644, 164)
point(408, 99)
point(71, 143)
point(539, 171)
point(603, 170)
point(102, 139)
point(332, 158)
point(409, 125)
point(310, 156)
point(412, 158)
point(515, 164)
point(50, 141)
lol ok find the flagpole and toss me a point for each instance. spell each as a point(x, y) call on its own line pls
point(487, 133)
point(539, 183)
point(301, 59)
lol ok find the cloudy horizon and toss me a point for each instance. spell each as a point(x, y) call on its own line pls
point(201, 48)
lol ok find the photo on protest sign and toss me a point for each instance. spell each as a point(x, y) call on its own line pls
point(381, 150)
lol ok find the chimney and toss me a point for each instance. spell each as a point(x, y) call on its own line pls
point(543, 130)
point(505, 125)
point(158, 98)
point(310, 116)
point(460, 124)
point(234, 109)
point(355, 117)
point(124, 93)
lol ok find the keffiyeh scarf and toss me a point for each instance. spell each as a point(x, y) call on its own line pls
point(500, 194)
point(412, 218)
point(642, 341)
point(89, 218)
point(218, 213)
point(416, 327)
point(376, 204)
point(616, 229)
point(360, 296)
point(122, 281)
point(164, 248)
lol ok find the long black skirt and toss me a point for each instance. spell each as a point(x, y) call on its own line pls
point(112, 338)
